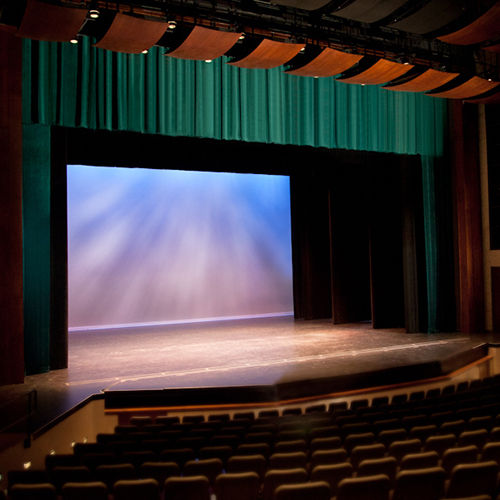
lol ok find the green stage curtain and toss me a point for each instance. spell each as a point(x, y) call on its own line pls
point(82, 86)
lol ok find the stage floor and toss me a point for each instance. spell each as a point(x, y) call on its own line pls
point(276, 351)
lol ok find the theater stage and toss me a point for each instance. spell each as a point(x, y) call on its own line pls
point(259, 360)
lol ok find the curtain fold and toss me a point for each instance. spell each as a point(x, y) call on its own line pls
point(82, 86)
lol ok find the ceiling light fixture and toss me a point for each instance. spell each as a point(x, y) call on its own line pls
point(74, 41)
point(94, 13)
point(172, 25)
point(208, 60)
point(145, 51)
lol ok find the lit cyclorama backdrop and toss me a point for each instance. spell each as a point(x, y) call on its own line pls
point(165, 246)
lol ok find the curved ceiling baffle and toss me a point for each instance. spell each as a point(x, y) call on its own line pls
point(369, 11)
point(329, 62)
point(269, 54)
point(302, 4)
point(49, 22)
point(485, 27)
point(382, 71)
point(205, 44)
point(431, 16)
point(131, 34)
point(428, 80)
point(473, 87)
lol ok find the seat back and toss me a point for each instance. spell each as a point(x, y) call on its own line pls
point(319, 490)
point(422, 460)
point(96, 490)
point(192, 487)
point(416, 484)
point(374, 466)
point(288, 460)
point(276, 477)
point(240, 485)
point(364, 488)
point(362, 452)
point(132, 489)
point(208, 467)
point(38, 491)
point(460, 455)
point(247, 463)
point(332, 474)
point(473, 479)
point(160, 471)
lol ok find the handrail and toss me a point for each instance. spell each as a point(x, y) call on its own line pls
point(31, 407)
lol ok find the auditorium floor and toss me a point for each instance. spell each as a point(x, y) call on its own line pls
point(236, 353)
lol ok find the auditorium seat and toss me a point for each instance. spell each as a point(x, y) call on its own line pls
point(290, 446)
point(95, 490)
point(160, 471)
point(288, 460)
point(140, 420)
point(62, 474)
point(178, 455)
point(36, 491)
point(319, 490)
point(491, 451)
point(29, 476)
point(458, 455)
point(208, 467)
point(398, 449)
point(439, 443)
point(363, 452)
point(419, 484)
point(328, 457)
point(64, 459)
point(183, 488)
point(136, 458)
point(324, 443)
point(135, 489)
point(353, 440)
point(364, 488)
point(452, 427)
point(422, 432)
point(332, 474)
point(247, 463)
point(477, 437)
point(421, 460)
point(375, 466)
point(110, 473)
point(473, 479)
point(275, 478)
point(242, 485)
point(220, 452)
point(254, 449)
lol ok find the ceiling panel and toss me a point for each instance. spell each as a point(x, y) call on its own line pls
point(382, 71)
point(269, 54)
point(49, 22)
point(205, 44)
point(131, 34)
point(432, 16)
point(486, 27)
point(302, 4)
point(429, 80)
point(369, 11)
point(473, 87)
point(329, 62)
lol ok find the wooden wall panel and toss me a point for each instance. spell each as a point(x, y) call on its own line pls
point(467, 204)
point(495, 297)
point(11, 255)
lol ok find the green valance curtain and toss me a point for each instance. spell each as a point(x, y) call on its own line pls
point(82, 86)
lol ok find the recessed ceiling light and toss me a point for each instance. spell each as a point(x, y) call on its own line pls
point(172, 25)
point(145, 51)
point(94, 13)
point(208, 60)
point(73, 41)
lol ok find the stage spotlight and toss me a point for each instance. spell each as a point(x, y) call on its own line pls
point(74, 41)
point(145, 51)
point(94, 13)
point(172, 25)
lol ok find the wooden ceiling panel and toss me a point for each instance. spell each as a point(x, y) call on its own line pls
point(49, 22)
point(302, 4)
point(492, 99)
point(493, 48)
point(429, 80)
point(486, 27)
point(432, 16)
point(131, 34)
point(204, 44)
point(473, 87)
point(329, 62)
point(369, 11)
point(382, 71)
point(269, 54)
